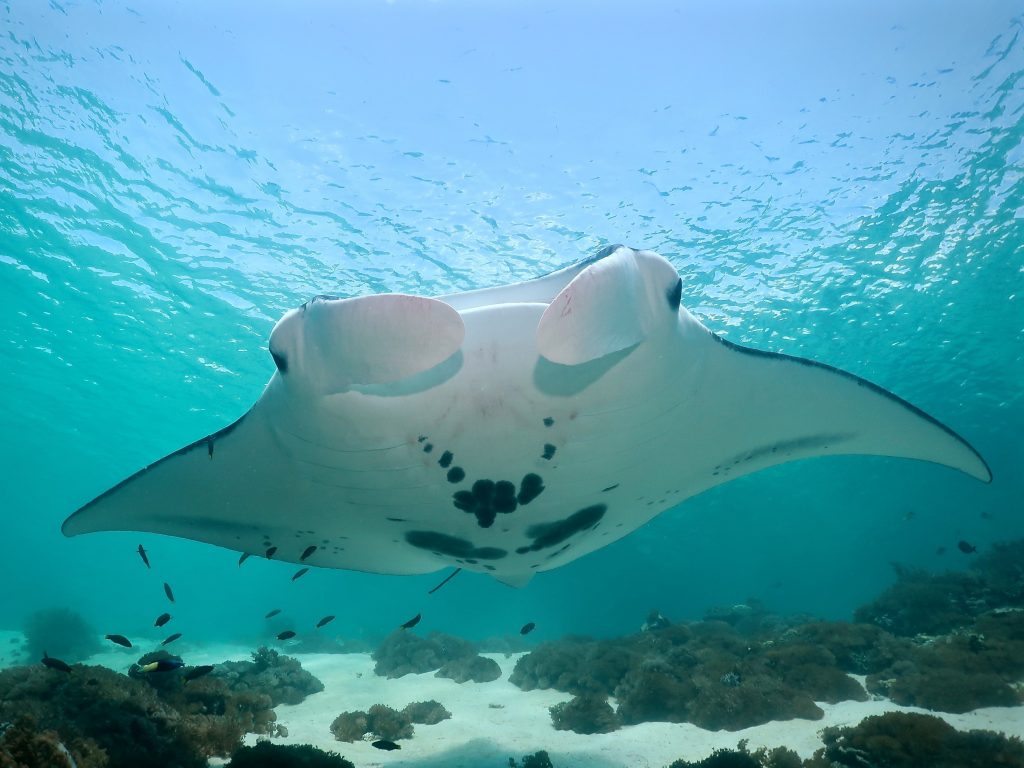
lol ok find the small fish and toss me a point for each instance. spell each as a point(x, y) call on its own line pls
point(120, 640)
point(171, 639)
point(270, 552)
point(142, 554)
point(162, 619)
point(385, 744)
point(272, 614)
point(163, 665)
point(243, 558)
point(411, 622)
point(309, 551)
point(168, 592)
point(286, 635)
point(966, 548)
point(197, 672)
point(527, 628)
point(324, 621)
point(52, 663)
point(300, 573)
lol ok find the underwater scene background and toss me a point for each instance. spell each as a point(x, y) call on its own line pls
point(842, 183)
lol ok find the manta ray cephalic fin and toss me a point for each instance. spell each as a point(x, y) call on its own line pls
point(328, 345)
point(613, 304)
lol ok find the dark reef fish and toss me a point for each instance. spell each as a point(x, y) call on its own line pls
point(197, 672)
point(308, 551)
point(385, 744)
point(162, 619)
point(966, 548)
point(168, 592)
point(163, 665)
point(527, 628)
point(171, 639)
point(52, 663)
point(271, 551)
point(243, 558)
point(300, 573)
point(120, 640)
point(324, 621)
point(411, 622)
point(142, 554)
point(272, 614)
point(286, 635)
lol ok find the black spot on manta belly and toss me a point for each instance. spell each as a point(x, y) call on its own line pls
point(609, 488)
point(546, 535)
point(548, 421)
point(456, 475)
point(549, 451)
point(530, 488)
point(428, 447)
point(486, 499)
point(452, 546)
point(446, 459)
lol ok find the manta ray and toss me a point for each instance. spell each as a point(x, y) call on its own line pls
point(506, 430)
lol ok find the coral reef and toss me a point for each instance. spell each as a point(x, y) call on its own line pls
point(280, 677)
point(426, 712)
point(909, 740)
point(267, 755)
point(862, 649)
point(930, 604)
point(404, 653)
point(740, 666)
point(587, 713)
point(94, 710)
point(923, 603)
point(62, 633)
point(706, 673)
point(476, 669)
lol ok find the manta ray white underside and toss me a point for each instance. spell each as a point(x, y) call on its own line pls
point(508, 431)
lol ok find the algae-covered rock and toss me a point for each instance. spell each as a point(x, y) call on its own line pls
point(588, 713)
point(382, 721)
point(282, 678)
point(130, 721)
point(350, 726)
point(977, 666)
point(23, 745)
point(426, 712)
point(404, 653)
point(476, 669)
point(910, 740)
point(267, 755)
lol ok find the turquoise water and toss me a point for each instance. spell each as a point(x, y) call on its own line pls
point(843, 184)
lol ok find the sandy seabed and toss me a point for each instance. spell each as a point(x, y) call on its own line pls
point(494, 721)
